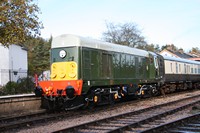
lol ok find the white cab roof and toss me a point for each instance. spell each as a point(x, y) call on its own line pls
point(68, 40)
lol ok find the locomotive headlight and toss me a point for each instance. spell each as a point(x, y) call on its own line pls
point(62, 53)
point(73, 69)
point(53, 71)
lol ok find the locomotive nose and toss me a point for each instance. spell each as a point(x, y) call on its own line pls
point(70, 91)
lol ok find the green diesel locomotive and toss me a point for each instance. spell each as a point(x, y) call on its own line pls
point(90, 72)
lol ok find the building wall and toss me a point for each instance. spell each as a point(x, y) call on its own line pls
point(4, 65)
point(13, 65)
point(166, 53)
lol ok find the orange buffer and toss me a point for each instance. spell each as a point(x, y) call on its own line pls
point(51, 87)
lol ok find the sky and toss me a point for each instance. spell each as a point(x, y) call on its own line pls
point(160, 21)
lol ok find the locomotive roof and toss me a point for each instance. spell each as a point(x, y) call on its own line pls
point(181, 60)
point(68, 40)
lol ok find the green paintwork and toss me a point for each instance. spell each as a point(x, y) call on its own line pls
point(72, 53)
point(105, 68)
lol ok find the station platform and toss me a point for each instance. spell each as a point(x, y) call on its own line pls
point(19, 103)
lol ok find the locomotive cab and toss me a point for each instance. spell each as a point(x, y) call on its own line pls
point(64, 73)
point(64, 83)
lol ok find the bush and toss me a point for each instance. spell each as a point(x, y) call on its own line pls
point(10, 87)
point(25, 85)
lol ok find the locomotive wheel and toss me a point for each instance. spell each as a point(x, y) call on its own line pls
point(75, 103)
point(51, 105)
point(91, 105)
point(111, 99)
point(154, 92)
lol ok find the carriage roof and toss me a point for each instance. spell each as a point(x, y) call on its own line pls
point(68, 40)
point(181, 60)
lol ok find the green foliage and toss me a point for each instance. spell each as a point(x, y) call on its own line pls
point(18, 19)
point(10, 87)
point(38, 54)
point(171, 47)
point(26, 85)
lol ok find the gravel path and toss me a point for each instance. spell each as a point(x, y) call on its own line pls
point(68, 122)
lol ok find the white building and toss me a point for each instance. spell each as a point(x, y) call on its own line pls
point(13, 63)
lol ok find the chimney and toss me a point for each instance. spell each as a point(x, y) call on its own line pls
point(181, 51)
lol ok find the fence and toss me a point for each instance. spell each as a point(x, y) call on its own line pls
point(7, 75)
point(15, 82)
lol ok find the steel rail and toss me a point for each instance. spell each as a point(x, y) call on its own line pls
point(8, 119)
point(31, 119)
point(130, 119)
point(186, 124)
point(12, 122)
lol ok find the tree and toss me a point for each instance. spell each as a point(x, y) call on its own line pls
point(195, 51)
point(38, 54)
point(18, 19)
point(171, 47)
point(41, 57)
point(124, 34)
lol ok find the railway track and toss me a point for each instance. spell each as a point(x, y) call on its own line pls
point(7, 119)
point(23, 121)
point(138, 121)
point(12, 122)
point(183, 125)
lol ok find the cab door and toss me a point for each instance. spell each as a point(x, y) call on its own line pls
point(151, 67)
point(156, 67)
point(161, 66)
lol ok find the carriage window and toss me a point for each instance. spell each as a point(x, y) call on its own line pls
point(171, 66)
point(132, 60)
point(192, 69)
point(188, 70)
point(128, 59)
point(199, 69)
point(116, 59)
point(185, 68)
point(155, 62)
point(176, 68)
